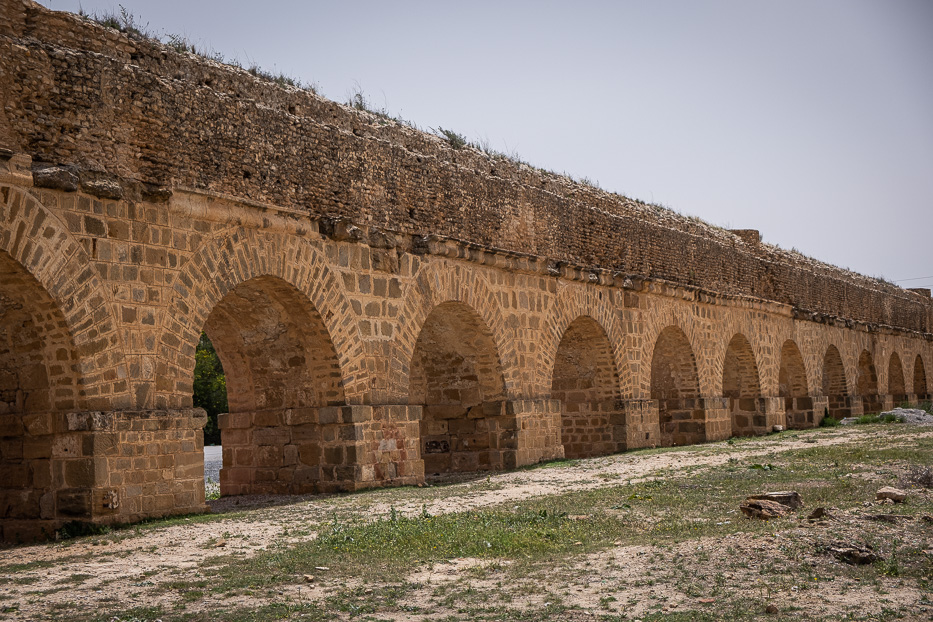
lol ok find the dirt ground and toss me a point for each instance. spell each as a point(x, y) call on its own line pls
point(133, 569)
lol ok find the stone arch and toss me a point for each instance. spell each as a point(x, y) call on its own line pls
point(456, 375)
point(793, 387)
point(675, 384)
point(866, 385)
point(40, 378)
point(281, 367)
point(218, 267)
point(920, 379)
point(741, 385)
point(896, 386)
point(792, 377)
point(835, 386)
point(571, 304)
point(435, 284)
point(586, 381)
point(35, 239)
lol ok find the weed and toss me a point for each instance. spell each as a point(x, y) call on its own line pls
point(829, 422)
point(211, 490)
point(76, 529)
point(877, 418)
point(457, 141)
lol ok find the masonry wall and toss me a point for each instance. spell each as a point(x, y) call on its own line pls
point(124, 110)
point(410, 339)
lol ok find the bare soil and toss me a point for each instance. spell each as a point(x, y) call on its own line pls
point(135, 568)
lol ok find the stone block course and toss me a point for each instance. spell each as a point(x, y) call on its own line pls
point(367, 336)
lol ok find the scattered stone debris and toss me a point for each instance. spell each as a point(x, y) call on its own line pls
point(771, 609)
point(819, 514)
point(771, 504)
point(886, 518)
point(789, 498)
point(855, 555)
point(220, 543)
point(763, 509)
point(777, 428)
point(914, 416)
point(309, 578)
point(894, 494)
point(917, 477)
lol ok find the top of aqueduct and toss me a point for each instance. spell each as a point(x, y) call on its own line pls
point(128, 117)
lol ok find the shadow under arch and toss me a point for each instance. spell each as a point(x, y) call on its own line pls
point(675, 384)
point(835, 387)
point(920, 379)
point(41, 244)
point(40, 380)
point(218, 267)
point(866, 385)
point(281, 368)
point(792, 386)
point(456, 376)
point(586, 382)
point(897, 388)
point(741, 385)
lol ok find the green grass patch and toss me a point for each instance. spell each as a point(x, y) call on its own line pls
point(877, 418)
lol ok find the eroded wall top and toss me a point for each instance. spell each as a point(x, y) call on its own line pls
point(119, 108)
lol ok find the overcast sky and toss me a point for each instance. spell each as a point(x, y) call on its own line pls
point(810, 120)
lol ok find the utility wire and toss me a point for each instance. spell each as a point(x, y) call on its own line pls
point(918, 278)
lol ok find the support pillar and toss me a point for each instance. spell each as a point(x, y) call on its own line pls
point(98, 467)
point(804, 412)
point(307, 450)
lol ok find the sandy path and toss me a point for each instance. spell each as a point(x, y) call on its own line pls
point(127, 561)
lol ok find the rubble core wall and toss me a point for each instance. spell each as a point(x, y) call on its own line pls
point(385, 307)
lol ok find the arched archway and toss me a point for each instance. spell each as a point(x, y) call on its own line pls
point(792, 386)
point(456, 375)
point(866, 385)
point(586, 382)
point(40, 378)
point(835, 387)
point(741, 385)
point(920, 379)
point(896, 386)
point(675, 384)
point(281, 368)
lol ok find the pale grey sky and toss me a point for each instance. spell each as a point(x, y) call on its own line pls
point(810, 120)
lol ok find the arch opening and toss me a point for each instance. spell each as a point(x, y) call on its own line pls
point(835, 387)
point(741, 386)
point(866, 385)
point(675, 384)
point(40, 377)
point(456, 376)
point(920, 379)
point(897, 388)
point(280, 370)
point(586, 382)
point(792, 386)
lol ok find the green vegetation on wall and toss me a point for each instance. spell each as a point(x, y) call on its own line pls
point(210, 387)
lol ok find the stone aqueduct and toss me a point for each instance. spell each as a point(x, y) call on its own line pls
point(384, 306)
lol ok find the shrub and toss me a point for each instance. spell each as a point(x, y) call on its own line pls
point(457, 141)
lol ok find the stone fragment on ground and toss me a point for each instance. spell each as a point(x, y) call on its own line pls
point(894, 494)
point(915, 416)
point(819, 514)
point(855, 555)
point(789, 498)
point(763, 509)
